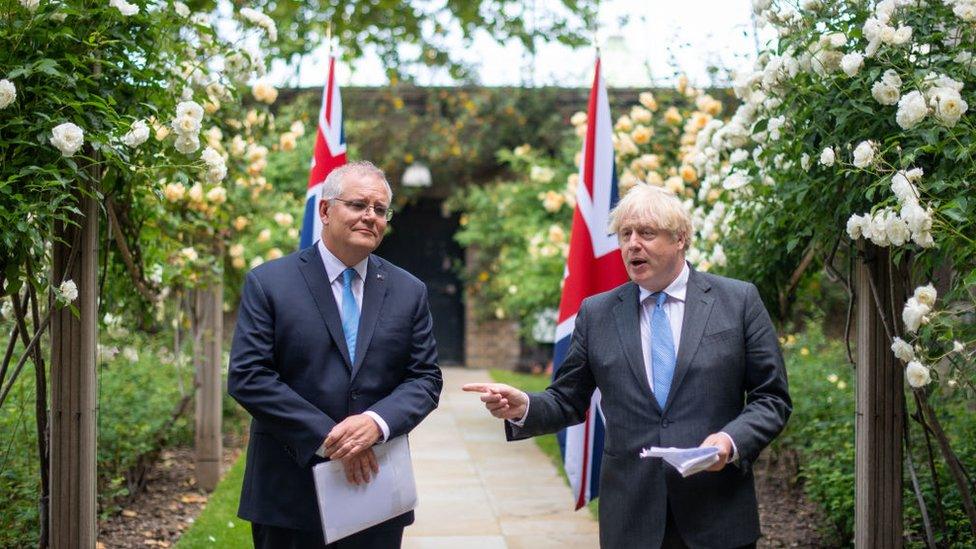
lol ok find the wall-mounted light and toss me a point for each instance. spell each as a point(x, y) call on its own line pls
point(416, 175)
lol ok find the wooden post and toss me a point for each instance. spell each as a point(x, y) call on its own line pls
point(879, 419)
point(209, 385)
point(74, 386)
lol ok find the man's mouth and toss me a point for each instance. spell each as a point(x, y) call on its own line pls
point(637, 262)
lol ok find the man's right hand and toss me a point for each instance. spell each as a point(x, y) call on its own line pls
point(503, 401)
point(359, 466)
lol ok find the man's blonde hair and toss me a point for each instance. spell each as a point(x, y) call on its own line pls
point(653, 206)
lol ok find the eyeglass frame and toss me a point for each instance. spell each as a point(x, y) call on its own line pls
point(366, 206)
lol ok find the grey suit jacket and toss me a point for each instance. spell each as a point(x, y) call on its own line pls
point(729, 377)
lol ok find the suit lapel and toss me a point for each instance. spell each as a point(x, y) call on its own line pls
point(374, 292)
point(317, 280)
point(698, 306)
point(627, 316)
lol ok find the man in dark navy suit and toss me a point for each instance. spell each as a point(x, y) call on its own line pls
point(333, 353)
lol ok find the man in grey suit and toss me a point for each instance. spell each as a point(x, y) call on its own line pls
point(683, 359)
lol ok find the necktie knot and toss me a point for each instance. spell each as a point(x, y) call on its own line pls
point(660, 298)
point(347, 277)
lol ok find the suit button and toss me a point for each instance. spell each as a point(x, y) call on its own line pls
point(354, 395)
point(665, 423)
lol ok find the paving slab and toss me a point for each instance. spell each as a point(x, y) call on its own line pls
point(478, 491)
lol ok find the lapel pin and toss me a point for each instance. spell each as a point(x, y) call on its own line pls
point(379, 276)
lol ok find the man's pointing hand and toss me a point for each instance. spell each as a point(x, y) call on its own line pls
point(503, 401)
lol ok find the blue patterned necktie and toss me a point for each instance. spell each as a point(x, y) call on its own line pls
point(350, 312)
point(662, 350)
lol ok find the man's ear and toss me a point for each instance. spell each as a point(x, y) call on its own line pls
point(324, 211)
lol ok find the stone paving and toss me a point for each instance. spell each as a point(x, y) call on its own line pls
point(477, 491)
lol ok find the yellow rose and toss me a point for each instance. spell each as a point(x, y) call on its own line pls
point(641, 135)
point(674, 184)
point(283, 219)
point(241, 222)
point(287, 141)
point(654, 178)
point(688, 173)
point(196, 193)
point(672, 116)
point(264, 235)
point(273, 253)
point(578, 119)
point(624, 124)
point(640, 115)
point(217, 195)
point(647, 99)
point(238, 262)
point(556, 234)
point(174, 192)
point(552, 201)
point(681, 84)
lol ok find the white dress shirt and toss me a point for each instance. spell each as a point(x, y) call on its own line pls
point(334, 269)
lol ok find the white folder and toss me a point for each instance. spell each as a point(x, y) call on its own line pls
point(346, 508)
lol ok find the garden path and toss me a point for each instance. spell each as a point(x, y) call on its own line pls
point(478, 491)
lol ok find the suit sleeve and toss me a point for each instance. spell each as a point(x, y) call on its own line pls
point(254, 382)
point(768, 405)
point(566, 400)
point(419, 392)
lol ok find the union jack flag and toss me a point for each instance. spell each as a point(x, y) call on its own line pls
point(594, 265)
point(330, 153)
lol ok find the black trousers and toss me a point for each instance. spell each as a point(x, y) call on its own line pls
point(275, 537)
point(672, 539)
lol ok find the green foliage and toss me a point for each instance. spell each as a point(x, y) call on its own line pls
point(821, 429)
point(218, 524)
point(406, 35)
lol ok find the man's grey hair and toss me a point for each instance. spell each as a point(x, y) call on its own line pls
point(336, 179)
point(654, 206)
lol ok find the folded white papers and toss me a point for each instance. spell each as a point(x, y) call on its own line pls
point(687, 461)
point(346, 508)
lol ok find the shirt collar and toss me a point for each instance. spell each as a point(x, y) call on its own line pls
point(676, 290)
point(334, 267)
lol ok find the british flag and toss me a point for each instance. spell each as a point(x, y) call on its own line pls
point(330, 153)
point(594, 265)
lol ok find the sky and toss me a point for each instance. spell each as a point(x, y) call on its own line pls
point(643, 43)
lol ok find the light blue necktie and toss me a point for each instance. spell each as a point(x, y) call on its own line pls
point(350, 312)
point(662, 350)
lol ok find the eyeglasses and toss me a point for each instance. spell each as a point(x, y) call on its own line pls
point(360, 207)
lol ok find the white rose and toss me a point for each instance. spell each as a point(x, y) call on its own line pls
point(735, 180)
point(68, 291)
point(864, 154)
point(189, 108)
point(914, 314)
point(130, 354)
point(923, 239)
point(919, 220)
point(901, 36)
point(852, 63)
point(805, 161)
point(217, 195)
point(896, 229)
point(181, 9)
point(887, 90)
point(917, 375)
point(8, 93)
point(68, 138)
point(124, 7)
point(855, 226)
point(957, 347)
point(903, 188)
point(877, 229)
point(187, 144)
point(189, 253)
point(738, 155)
point(903, 351)
point(137, 135)
point(949, 106)
point(911, 110)
point(827, 156)
point(926, 295)
point(30, 5)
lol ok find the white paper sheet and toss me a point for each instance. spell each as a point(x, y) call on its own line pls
point(687, 461)
point(346, 508)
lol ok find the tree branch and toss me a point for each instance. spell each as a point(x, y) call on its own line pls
point(144, 289)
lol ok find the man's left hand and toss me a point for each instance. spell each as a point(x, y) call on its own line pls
point(351, 436)
point(724, 446)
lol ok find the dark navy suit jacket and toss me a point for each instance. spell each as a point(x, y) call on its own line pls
point(290, 369)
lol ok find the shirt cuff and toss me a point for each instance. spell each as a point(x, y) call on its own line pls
point(384, 427)
point(520, 422)
point(379, 422)
point(735, 452)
